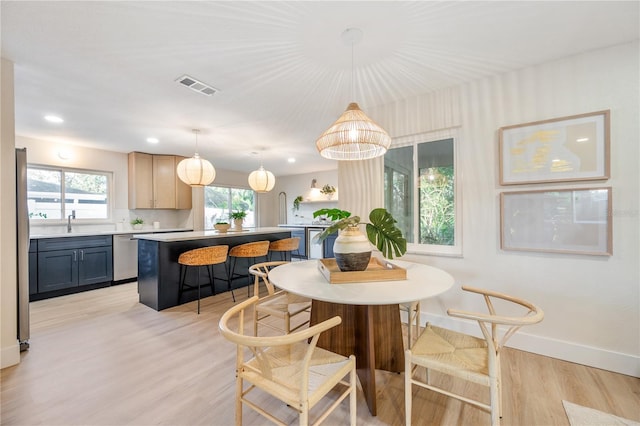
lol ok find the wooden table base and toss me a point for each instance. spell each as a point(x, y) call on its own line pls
point(373, 333)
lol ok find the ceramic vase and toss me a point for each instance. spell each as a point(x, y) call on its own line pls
point(221, 227)
point(237, 224)
point(352, 250)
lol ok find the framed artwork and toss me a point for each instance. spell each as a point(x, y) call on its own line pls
point(562, 221)
point(558, 150)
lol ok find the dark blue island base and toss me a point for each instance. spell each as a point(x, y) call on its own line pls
point(159, 271)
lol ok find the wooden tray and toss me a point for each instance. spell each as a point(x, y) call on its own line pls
point(378, 270)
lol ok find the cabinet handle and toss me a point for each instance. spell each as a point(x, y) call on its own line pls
point(75, 255)
point(82, 255)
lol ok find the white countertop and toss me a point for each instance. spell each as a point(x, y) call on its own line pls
point(305, 225)
point(125, 232)
point(200, 235)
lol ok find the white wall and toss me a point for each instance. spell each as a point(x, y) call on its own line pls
point(591, 303)
point(9, 349)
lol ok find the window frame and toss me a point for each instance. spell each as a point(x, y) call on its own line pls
point(455, 250)
point(110, 200)
point(232, 187)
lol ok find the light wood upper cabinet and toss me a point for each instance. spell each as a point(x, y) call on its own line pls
point(154, 184)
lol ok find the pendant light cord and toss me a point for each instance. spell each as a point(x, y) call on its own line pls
point(353, 91)
point(196, 131)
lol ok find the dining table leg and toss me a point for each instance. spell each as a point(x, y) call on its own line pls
point(373, 333)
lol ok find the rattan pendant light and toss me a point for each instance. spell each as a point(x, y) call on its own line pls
point(261, 180)
point(354, 136)
point(196, 171)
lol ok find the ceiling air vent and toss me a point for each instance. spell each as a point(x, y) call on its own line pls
point(196, 85)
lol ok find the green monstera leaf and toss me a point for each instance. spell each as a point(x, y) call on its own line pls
point(384, 234)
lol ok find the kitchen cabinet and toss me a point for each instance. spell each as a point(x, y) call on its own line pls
point(327, 247)
point(154, 183)
point(69, 262)
point(302, 249)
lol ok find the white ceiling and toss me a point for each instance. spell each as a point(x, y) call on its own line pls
point(283, 71)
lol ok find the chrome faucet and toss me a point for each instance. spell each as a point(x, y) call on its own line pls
point(71, 216)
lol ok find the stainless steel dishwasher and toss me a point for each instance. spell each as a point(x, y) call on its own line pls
point(125, 257)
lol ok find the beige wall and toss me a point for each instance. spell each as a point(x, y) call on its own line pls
point(592, 303)
point(9, 349)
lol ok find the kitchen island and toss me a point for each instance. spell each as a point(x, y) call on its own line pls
point(159, 271)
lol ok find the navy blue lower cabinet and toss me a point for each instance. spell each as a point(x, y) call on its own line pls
point(57, 269)
point(328, 245)
point(70, 264)
point(302, 249)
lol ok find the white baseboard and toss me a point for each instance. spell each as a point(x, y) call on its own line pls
point(617, 362)
point(10, 356)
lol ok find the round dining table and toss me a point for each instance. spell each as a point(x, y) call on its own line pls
point(371, 328)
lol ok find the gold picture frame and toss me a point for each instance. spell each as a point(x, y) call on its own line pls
point(576, 221)
point(565, 149)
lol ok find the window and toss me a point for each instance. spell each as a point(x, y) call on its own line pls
point(421, 194)
point(53, 193)
point(219, 202)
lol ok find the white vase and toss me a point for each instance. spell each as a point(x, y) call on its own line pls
point(352, 250)
point(237, 224)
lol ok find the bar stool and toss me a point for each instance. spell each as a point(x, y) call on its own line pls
point(248, 251)
point(206, 256)
point(284, 246)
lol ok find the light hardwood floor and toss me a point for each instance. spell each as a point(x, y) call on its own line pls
point(101, 358)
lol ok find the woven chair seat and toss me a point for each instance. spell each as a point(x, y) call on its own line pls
point(255, 249)
point(282, 376)
point(204, 256)
point(282, 302)
point(453, 353)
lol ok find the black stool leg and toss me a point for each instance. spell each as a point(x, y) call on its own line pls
point(210, 271)
point(231, 271)
point(198, 284)
point(183, 273)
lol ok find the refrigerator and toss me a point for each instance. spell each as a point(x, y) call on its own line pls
point(22, 228)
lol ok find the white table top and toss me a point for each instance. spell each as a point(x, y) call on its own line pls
point(304, 279)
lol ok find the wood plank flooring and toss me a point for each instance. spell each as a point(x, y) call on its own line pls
point(101, 358)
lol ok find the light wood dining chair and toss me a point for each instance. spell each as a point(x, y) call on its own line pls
point(467, 357)
point(289, 367)
point(413, 320)
point(280, 304)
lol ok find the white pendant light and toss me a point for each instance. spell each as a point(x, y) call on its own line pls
point(261, 180)
point(196, 171)
point(354, 136)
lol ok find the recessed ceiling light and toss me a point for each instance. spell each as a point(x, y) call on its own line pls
point(291, 160)
point(152, 140)
point(53, 119)
point(582, 139)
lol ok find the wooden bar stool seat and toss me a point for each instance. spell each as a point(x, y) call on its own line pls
point(206, 256)
point(284, 247)
point(249, 251)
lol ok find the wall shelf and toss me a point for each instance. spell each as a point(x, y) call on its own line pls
point(333, 200)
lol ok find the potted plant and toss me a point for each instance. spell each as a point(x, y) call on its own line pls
point(352, 248)
point(296, 203)
point(222, 227)
point(238, 218)
point(137, 223)
point(328, 191)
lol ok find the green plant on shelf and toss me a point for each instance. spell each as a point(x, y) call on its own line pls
point(327, 189)
point(296, 203)
point(137, 221)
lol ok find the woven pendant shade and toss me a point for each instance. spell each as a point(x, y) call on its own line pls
point(354, 136)
point(261, 180)
point(196, 171)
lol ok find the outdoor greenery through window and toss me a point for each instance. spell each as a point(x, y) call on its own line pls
point(219, 202)
point(420, 192)
point(53, 194)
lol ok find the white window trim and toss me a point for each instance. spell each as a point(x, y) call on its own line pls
point(86, 221)
point(414, 140)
